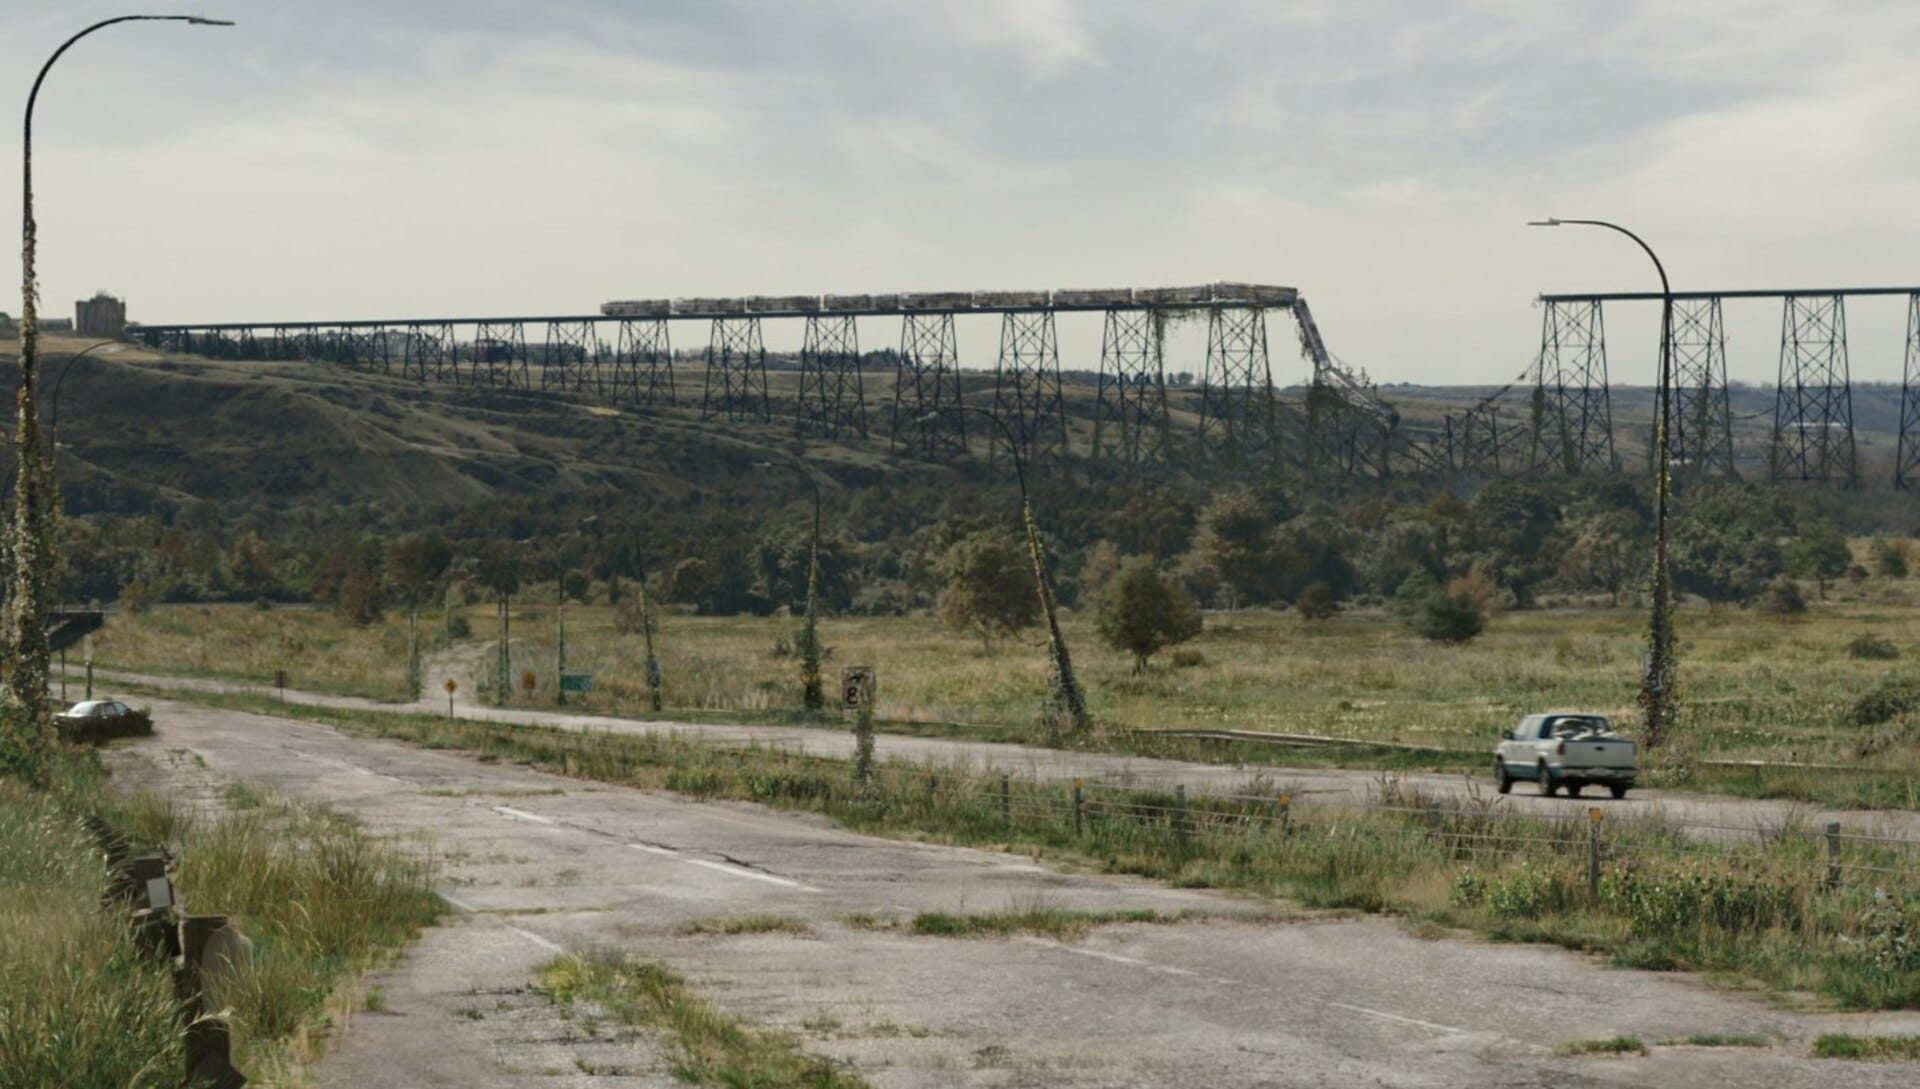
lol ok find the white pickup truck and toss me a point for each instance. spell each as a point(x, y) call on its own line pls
point(1566, 750)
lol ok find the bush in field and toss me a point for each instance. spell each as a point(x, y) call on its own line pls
point(989, 587)
point(1783, 598)
point(1316, 602)
point(1892, 558)
point(1873, 648)
point(1412, 593)
point(1819, 553)
point(359, 599)
point(1141, 612)
point(1449, 617)
point(1891, 698)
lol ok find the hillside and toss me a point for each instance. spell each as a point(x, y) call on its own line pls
point(144, 432)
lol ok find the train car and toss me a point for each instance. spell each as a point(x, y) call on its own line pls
point(937, 300)
point(1261, 294)
point(696, 306)
point(637, 308)
point(1173, 296)
point(783, 304)
point(1035, 299)
point(846, 302)
point(886, 304)
point(1122, 296)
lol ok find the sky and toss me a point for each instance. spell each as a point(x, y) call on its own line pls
point(334, 159)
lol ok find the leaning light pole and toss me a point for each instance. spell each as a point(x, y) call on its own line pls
point(25, 634)
point(1659, 699)
point(1065, 700)
point(812, 692)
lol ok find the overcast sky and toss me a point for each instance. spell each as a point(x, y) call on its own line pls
point(352, 158)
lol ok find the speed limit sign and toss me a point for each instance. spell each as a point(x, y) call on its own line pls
point(856, 687)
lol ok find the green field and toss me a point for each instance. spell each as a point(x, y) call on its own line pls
point(1754, 686)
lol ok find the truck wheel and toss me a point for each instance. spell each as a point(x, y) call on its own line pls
point(1501, 777)
point(1619, 790)
point(1547, 785)
point(1574, 789)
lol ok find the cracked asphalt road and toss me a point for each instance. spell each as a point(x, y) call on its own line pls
point(1242, 995)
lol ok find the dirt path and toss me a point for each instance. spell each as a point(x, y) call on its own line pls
point(537, 864)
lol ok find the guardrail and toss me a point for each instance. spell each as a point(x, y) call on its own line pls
point(198, 948)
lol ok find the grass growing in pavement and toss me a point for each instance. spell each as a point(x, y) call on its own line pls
point(1718, 1039)
point(1880, 1049)
point(731, 925)
point(708, 1047)
point(1058, 924)
point(1615, 1045)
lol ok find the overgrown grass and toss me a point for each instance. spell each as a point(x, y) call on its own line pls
point(1718, 1039)
point(318, 897)
point(319, 650)
point(1749, 911)
point(1879, 1049)
point(79, 1005)
point(1613, 1045)
point(1756, 687)
point(708, 1047)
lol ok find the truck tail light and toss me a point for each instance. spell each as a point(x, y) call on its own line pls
point(1563, 748)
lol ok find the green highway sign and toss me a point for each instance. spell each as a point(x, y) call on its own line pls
point(576, 682)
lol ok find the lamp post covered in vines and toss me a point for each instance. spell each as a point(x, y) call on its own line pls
point(26, 735)
point(1659, 699)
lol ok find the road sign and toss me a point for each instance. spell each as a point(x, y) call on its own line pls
point(576, 682)
point(528, 680)
point(279, 678)
point(857, 685)
point(451, 686)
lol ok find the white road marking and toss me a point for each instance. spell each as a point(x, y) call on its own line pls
point(509, 811)
point(1132, 962)
point(551, 947)
point(346, 766)
point(1383, 1015)
point(722, 867)
point(460, 904)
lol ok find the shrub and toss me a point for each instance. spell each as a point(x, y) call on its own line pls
point(1889, 699)
point(1449, 618)
point(1316, 602)
point(1783, 598)
point(1670, 901)
point(1141, 612)
point(1872, 648)
point(1892, 558)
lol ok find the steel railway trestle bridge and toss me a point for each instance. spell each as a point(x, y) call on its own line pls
point(1555, 419)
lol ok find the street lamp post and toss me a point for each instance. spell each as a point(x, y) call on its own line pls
point(1658, 698)
point(654, 699)
point(26, 612)
point(1066, 698)
point(812, 692)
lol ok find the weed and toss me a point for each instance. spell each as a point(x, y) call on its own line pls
point(729, 925)
point(709, 1047)
point(1612, 1045)
point(1880, 1049)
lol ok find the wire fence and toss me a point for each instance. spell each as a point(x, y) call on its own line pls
point(1480, 830)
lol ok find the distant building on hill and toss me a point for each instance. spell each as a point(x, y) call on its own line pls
point(101, 316)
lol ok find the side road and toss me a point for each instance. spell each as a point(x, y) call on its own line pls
point(1230, 994)
point(1306, 785)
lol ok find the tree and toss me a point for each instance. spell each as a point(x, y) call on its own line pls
point(1819, 553)
point(1513, 531)
point(989, 587)
point(1236, 543)
point(1141, 612)
point(359, 599)
point(1449, 617)
point(1724, 557)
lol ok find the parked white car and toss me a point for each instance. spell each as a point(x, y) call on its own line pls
point(1566, 750)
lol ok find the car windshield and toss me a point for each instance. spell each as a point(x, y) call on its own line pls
point(89, 707)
